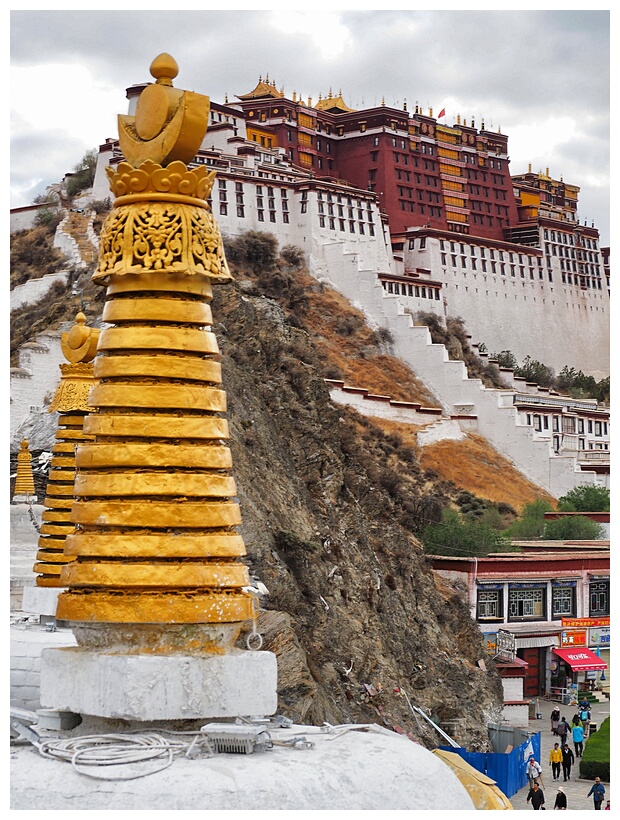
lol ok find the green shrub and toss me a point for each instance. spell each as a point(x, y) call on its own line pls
point(585, 498)
point(595, 759)
point(574, 528)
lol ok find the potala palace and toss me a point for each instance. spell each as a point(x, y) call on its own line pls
point(403, 214)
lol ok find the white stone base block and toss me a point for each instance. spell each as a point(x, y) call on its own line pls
point(159, 687)
point(41, 600)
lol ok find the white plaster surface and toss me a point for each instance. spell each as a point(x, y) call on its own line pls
point(41, 600)
point(23, 547)
point(158, 687)
point(28, 639)
point(345, 770)
point(34, 289)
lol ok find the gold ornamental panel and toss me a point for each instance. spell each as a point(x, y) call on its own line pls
point(150, 545)
point(52, 502)
point(165, 367)
point(159, 514)
point(187, 339)
point(51, 517)
point(56, 529)
point(49, 569)
point(160, 425)
point(165, 236)
point(166, 310)
point(141, 607)
point(181, 397)
point(52, 581)
point(157, 454)
point(61, 475)
point(64, 461)
point(66, 446)
point(156, 575)
point(60, 490)
point(153, 484)
point(54, 557)
point(171, 283)
point(55, 544)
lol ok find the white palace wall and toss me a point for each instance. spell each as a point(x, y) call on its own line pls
point(554, 323)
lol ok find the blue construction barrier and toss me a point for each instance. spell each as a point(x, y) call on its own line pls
point(508, 769)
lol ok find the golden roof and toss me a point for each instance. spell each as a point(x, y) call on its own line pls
point(263, 89)
point(336, 105)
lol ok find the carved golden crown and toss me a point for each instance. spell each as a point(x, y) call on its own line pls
point(151, 178)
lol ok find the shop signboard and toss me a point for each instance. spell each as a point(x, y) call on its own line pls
point(501, 644)
point(599, 636)
point(585, 622)
point(574, 637)
point(506, 645)
point(490, 642)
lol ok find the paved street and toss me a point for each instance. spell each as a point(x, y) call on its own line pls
point(575, 789)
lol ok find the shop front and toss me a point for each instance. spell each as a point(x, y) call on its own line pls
point(577, 667)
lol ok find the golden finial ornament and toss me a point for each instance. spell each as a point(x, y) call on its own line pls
point(169, 124)
point(158, 559)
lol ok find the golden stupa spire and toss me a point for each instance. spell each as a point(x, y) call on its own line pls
point(24, 478)
point(79, 347)
point(158, 557)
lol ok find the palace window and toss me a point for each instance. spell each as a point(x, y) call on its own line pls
point(527, 603)
point(490, 604)
point(563, 601)
point(569, 425)
point(599, 598)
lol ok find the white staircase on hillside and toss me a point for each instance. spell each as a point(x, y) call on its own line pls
point(497, 419)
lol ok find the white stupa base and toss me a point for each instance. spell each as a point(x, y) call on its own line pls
point(158, 687)
point(345, 769)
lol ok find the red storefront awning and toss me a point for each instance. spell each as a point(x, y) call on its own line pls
point(580, 659)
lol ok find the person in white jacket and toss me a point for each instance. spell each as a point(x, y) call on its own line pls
point(534, 772)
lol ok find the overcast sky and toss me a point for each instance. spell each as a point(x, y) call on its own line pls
point(542, 77)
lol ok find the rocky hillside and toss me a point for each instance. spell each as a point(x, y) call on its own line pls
point(329, 506)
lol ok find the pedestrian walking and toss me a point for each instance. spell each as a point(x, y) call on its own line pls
point(578, 739)
point(555, 719)
point(560, 800)
point(608, 807)
point(533, 771)
point(555, 761)
point(536, 797)
point(586, 717)
point(598, 793)
point(568, 758)
point(563, 730)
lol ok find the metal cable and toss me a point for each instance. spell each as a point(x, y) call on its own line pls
point(113, 750)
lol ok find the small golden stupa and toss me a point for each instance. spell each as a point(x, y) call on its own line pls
point(79, 347)
point(24, 477)
point(158, 564)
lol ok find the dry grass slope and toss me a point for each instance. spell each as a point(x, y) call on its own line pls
point(340, 332)
point(477, 467)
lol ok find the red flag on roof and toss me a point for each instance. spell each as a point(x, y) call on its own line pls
point(442, 113)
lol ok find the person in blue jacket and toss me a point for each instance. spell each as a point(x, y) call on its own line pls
point(598, 793)
point(578, 739)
